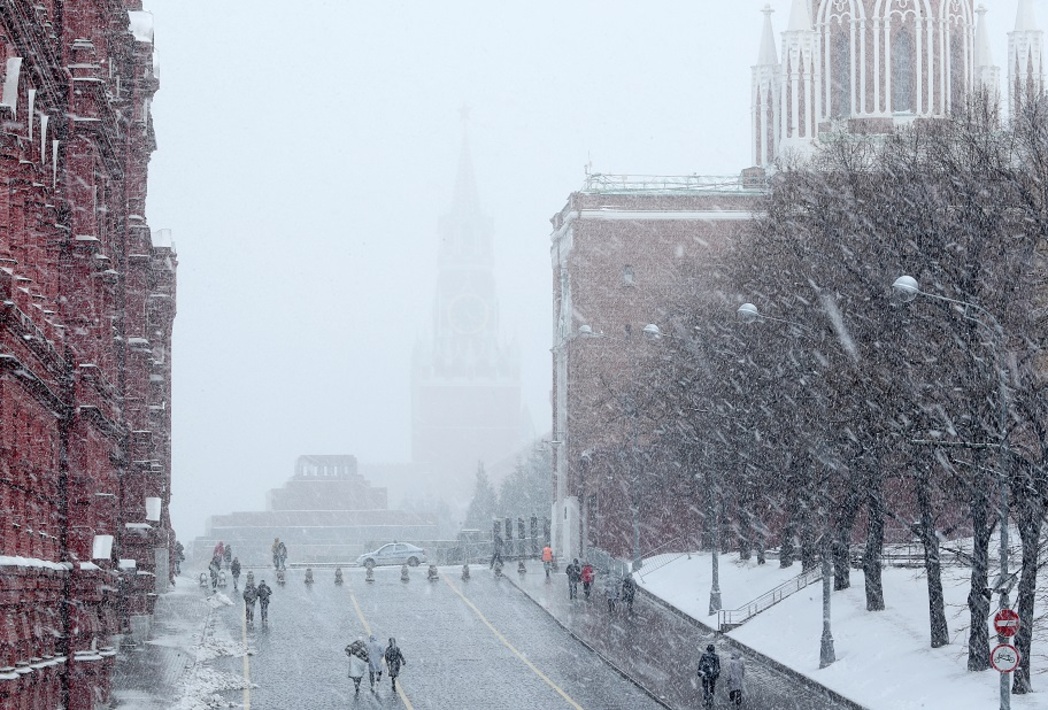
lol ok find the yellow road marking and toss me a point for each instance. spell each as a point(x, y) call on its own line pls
point(508, 645)
point(247, 662)
point(367, 630)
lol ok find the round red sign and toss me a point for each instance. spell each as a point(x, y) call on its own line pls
point(1006, 622)
point(1004, 658)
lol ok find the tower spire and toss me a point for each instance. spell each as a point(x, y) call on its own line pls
point(987, 74)
point(765, 97)
point(465, 198)
point(1025, 57)
point(800, 16)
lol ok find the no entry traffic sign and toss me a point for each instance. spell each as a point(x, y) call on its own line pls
point(1004, 658)
point(1006, 622)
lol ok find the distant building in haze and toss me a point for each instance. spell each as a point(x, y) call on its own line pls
point(466, 391)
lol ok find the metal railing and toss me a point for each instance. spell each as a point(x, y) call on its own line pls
point(730, 618)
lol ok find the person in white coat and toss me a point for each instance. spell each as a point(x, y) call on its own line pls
point(734, 675)
point(375, 658)
point(358, 661)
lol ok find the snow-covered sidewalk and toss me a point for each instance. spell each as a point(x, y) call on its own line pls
point(884, 660)
point(173, 670)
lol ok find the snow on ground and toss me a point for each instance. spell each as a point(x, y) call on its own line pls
point(884, 660)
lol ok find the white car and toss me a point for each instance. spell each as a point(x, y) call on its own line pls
point(393, 553)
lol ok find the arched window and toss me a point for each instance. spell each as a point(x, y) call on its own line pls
point(903, 67)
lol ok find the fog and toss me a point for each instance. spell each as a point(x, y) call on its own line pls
point(307, 150)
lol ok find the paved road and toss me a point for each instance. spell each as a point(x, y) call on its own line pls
point(476, 644)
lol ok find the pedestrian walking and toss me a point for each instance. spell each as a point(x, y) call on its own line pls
point(629, 591)
point(213, 569)
point(376, 656)
point(394, 660)
point(358, 661)
point(496, 550)
point(574, 572)
point(250, 597)
point(275, 549)
point(709, 671)
point(587, 576)
point(180, 556)
point(264, 592)
point(227, 555)
point(217, 552)
point(734, 675)
point(611, 592)
point(234, 569)
point(282, 555)
point(547, 559)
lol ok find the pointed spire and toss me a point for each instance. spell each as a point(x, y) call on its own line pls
point(768, 56)
point(983, 54)
point(1024, 18)
point(800, 16)
point(465, 200)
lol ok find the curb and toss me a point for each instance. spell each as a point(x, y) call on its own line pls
point(771, 662)
point(611, 664)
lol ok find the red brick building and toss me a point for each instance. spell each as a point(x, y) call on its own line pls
point(87, 301)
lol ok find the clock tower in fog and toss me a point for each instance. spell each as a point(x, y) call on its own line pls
point(466, 398)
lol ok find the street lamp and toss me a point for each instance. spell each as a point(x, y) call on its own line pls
point(748, 313)
point(653, 332)
point(907, 289)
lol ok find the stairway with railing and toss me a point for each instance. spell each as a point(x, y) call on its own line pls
point(728, 619)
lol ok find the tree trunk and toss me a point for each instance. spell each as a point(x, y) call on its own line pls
point(940, 632)
point(787, 548)
point(842, 540)
point(1029, 516)
point(978, 599)
point(871, 556)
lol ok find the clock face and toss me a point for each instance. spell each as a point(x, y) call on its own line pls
point(468, 313)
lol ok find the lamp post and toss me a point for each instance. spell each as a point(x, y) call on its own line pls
point(748, 313)
point(907, 289)
point(653, 332)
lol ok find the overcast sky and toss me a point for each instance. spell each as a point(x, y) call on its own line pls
point(306, 151)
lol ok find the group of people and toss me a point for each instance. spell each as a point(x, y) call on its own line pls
point(709, 672)
point(261, 594)
point(615, 590)
point(370, 657)
point(279, 554)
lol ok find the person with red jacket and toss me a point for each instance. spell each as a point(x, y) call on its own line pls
point(587, 578)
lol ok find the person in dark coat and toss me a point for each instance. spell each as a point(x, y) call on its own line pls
point(573, 571)
point(250, 596)
point(282, 555)
point(264, 592)
point(709, 671)
point(227, 555)
point(394, 660)
point(180, 556)
point(629, 591)
point(234, 569)
point(496, 553)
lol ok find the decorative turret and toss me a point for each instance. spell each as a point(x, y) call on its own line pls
point(765, 98)
point(987, 74)
point(800, 96)
point(1025, 57)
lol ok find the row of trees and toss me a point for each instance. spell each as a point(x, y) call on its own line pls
point(841, 418)
point(524, 492)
